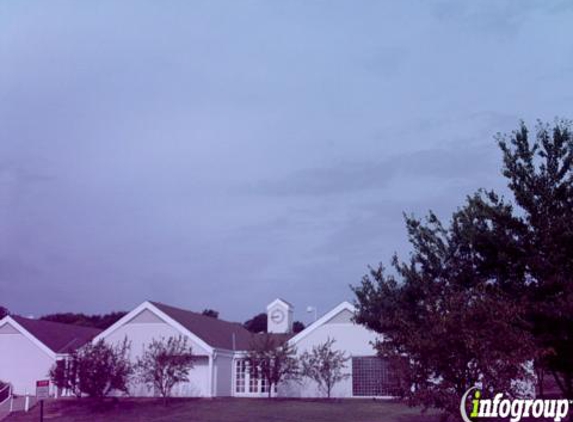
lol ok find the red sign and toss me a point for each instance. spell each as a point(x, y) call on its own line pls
point(42, 389)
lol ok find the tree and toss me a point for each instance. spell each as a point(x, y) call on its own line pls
point(64, 375)
point(257, 324)
point(272, 360)
point(95, 370)
point(4, 312)
point(297, 327)
point(211, 313)
point(492, 290)
point(325, 366)
point(96, 321)
point(540, 176)
point(445, 327)
point(164, 363)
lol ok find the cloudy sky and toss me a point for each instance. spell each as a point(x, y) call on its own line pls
point(223, 153)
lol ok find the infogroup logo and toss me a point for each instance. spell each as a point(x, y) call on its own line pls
point(514, 409)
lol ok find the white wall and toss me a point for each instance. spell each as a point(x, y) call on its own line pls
point(22, 362)
point(198, 385)
point(140, 331)
point(353, 339)
point(224, 375)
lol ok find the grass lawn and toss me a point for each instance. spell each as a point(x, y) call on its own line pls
point(226, 410)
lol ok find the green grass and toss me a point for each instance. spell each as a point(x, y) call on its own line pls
point(227, 410)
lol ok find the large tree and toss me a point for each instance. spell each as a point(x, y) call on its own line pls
point(257, 324)
point(445, 326)
point(540, 175)
point(492, 289)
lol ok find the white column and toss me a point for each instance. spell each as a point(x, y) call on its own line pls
point(210, 389)
point(214, 375)
point(233, 377)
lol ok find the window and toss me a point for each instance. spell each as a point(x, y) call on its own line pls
point(264, 388)
point(372, 376)
point(246, 383)
point(257, 384)
point(240, 375)
point(253, 384)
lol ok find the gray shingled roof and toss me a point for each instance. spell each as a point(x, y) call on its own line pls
point(58, 337)
point(215, 332)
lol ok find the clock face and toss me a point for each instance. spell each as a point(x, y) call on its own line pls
point(277, 316)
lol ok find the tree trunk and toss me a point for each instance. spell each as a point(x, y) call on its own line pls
point(540, 380)
point(565, 384)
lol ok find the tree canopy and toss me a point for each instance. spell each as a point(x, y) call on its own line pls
point(297, 327)
point(480, 297)
point(96, 321)
point(211, 313)
point(257, 324)
point(95, 369)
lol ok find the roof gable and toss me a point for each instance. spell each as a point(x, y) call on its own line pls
point(145, 317)
point(8, 328)
point(335, 315)
point(345, 316)
point(280, 301)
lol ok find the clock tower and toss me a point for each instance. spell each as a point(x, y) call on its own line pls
point(279, 316)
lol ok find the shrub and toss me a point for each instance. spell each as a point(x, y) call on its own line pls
point(165, 363)
point(95, 370)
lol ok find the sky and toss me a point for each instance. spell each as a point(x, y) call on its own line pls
point(219, 154)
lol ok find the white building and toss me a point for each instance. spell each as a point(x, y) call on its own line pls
point(221, 368)
point(213, 342)
point(30, 347)
point(368, 375)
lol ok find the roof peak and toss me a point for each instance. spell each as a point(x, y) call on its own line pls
point(280, 300)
